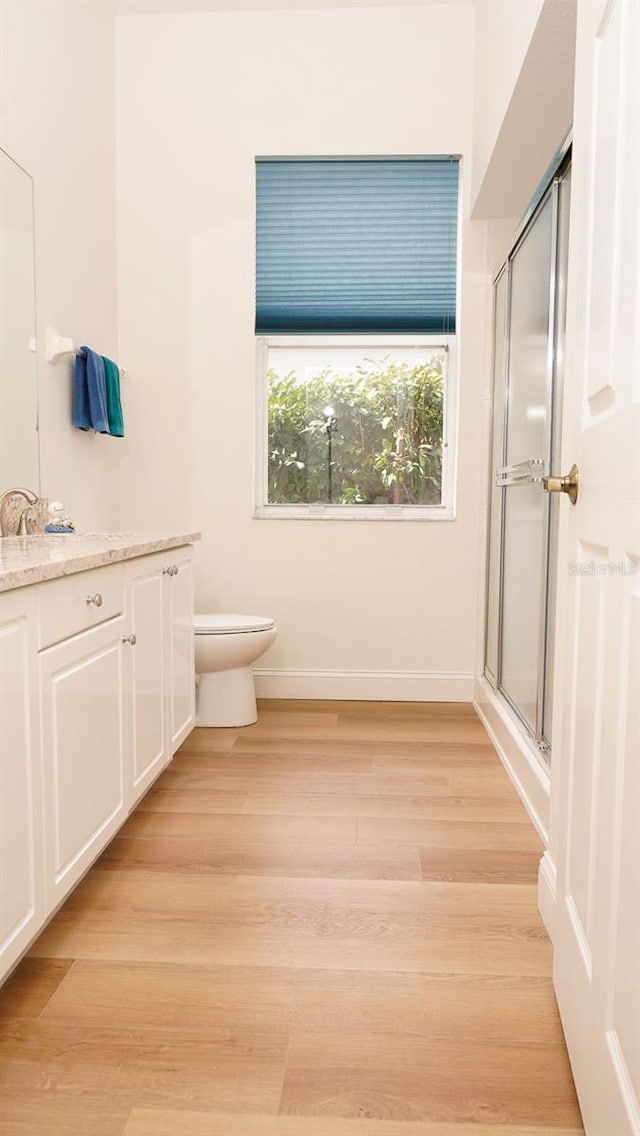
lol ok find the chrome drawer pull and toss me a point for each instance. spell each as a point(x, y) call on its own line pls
point(95, 599)
point(130, 639)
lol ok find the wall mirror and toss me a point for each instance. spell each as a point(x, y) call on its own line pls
point(19, 442)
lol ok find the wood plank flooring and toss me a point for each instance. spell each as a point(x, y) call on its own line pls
point(321, 925)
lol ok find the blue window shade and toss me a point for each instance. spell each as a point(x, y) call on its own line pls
point(356, 245)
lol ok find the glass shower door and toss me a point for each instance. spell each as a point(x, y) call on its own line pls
point(492, 643)
point(525, 521)
point(529, 320)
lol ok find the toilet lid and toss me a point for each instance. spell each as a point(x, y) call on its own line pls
point(230, 624)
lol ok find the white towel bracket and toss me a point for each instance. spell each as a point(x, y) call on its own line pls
point(58, 346)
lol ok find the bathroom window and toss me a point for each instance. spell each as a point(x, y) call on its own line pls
point(355, 425)
point(356, 303)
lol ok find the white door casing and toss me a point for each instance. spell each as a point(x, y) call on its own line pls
point(590, 877)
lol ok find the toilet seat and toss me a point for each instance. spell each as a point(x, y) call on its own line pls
point(217, 624)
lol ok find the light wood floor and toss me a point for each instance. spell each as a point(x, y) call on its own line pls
point(321, 925)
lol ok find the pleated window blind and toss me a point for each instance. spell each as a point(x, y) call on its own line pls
point(356, 245)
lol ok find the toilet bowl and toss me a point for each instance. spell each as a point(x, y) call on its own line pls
point(226, 646)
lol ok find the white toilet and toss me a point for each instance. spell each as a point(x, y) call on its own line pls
point(226, 646)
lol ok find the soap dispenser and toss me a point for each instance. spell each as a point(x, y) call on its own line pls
point(58, 523)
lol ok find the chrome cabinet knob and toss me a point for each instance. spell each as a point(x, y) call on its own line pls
point(95, 599)
point(130, 639)
point(174, 569)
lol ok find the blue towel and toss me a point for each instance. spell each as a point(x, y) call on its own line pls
point(80, 413)
point(89, 411)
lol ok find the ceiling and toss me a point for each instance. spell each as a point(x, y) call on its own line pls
point(154, 7)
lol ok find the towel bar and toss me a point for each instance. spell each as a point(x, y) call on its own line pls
point(57, 346)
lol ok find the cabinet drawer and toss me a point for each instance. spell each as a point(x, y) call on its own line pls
point(77, 602)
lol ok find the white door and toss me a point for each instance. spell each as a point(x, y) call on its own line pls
point(594, 918)
point(85, 750)
point(147, 622)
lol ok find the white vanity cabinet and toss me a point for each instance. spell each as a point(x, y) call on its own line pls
point(97, 691)
point(22, 901)
point(160, 617)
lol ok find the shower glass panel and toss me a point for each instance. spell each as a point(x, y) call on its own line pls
point(527, 439)
point(529, 330)
point(497, 460)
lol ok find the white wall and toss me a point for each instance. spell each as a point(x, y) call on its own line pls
point(57, 120)
point(198, 96)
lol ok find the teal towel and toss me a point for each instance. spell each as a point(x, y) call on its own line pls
point(114, 405)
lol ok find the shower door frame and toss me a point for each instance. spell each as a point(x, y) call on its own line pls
point(548, 191)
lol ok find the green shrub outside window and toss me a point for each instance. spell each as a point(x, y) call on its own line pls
point(366, 435)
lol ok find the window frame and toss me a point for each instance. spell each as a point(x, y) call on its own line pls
point(443, 512)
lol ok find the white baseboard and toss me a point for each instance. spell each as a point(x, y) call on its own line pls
point(525, 768)
point(369, 686)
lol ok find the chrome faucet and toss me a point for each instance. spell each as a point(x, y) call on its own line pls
point(30, 498)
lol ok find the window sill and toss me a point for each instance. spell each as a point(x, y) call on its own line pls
point(353, 513)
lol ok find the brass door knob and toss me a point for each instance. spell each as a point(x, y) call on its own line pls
point(567, 484)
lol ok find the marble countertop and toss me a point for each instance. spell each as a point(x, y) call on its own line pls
point(31, 559)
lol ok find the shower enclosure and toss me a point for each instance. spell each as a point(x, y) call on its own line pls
point(529, 326)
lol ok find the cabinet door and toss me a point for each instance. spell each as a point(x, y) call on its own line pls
point(86, 739)
point(181, 672)
point(21, 857)
point(147, 622)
